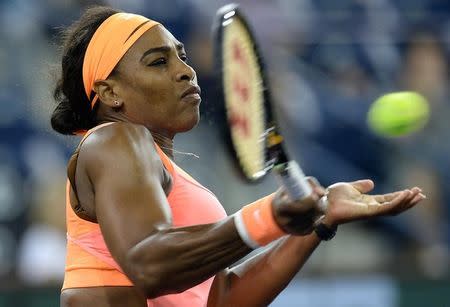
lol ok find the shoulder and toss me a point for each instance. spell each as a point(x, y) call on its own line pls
point(118, 133)
point(119, 144)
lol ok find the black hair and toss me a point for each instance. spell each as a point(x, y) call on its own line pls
point(73, 112)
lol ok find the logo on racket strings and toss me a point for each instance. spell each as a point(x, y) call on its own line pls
point(241, 80)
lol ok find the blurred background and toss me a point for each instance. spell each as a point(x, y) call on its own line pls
point(328, 60)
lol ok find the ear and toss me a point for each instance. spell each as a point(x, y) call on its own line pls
point(106, 94)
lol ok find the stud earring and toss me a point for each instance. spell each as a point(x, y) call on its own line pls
point(116, 103)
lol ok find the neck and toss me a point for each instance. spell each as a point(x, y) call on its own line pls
point(164, 142)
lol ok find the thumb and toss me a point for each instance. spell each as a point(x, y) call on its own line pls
point(363, 186)
point(316, 186)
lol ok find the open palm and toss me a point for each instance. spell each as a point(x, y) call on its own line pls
point(349, 202)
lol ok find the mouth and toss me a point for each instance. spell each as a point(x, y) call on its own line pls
point(192, 94)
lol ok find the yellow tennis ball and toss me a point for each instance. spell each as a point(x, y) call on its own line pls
point(398, 114)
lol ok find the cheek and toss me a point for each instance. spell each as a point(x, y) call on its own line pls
point(157, 91)
point(156, 96)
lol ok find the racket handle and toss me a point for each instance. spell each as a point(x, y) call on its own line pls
point(293, 180)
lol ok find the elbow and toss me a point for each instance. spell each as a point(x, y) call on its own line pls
point(157, 285)
point(152, 288)
point(153, 277)
point(146, 275)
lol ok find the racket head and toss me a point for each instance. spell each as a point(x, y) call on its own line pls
point(244, 92)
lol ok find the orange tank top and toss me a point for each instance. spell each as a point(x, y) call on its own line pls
point(90, 264)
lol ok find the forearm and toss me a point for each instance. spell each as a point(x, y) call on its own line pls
point(266, 274)
point(173, 260)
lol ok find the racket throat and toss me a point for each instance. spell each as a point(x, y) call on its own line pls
point(275, 152)
point(291, 177)
point(288, 172)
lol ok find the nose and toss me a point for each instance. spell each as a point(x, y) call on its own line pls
point(185, 73)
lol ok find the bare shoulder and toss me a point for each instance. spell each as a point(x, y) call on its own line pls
point(118, 135)
point(119, 143)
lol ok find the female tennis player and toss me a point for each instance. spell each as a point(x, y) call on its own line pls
point(141, 231)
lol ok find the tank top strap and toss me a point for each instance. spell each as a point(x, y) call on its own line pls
point(165, 160)
point(90, 131)
point(72, 164)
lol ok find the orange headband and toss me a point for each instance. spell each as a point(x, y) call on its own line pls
point(108, 45)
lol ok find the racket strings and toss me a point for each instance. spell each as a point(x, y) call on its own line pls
point(244, 97)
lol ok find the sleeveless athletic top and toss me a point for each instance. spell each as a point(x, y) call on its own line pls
point(89, 262)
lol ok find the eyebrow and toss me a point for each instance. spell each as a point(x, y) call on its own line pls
point(165, 49)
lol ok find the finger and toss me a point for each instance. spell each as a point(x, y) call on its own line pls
point(390, 197)
point(416, 189)
point(411, 203)
point(386, 197)
point(408, 203)
point(322, 204)
point(316, 186)
point(418, 198)
point(410, 200)
point(313, 181)
point(392, 206)
point(404, 201)
point(411, 195)
point(363, 186)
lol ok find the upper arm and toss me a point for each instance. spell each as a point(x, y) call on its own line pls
point(126, 174)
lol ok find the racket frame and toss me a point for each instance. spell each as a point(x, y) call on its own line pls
point(273, 151)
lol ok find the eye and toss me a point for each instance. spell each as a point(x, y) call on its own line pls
point(184, 58)
point(158, 62)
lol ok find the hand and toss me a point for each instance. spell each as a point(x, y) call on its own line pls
point(348, 202)
point(298, 217)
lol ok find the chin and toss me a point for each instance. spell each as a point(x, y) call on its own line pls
point(190, 123)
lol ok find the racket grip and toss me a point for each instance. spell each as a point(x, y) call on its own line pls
point(293, 179)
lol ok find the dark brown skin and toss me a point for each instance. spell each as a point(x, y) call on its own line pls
point(121, 180)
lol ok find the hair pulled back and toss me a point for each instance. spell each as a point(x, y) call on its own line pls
point(73, 111)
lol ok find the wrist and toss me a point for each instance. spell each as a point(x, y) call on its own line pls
point(329, 222)
point(256, 223)
point(325, 228)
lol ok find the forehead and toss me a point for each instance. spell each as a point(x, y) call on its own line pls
point(157, 36)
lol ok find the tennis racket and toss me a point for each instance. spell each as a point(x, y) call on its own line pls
point(251, 129)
